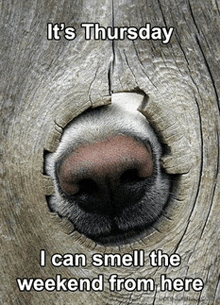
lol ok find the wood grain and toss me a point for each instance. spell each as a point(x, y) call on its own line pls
point(45, 84)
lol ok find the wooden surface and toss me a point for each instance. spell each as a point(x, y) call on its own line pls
point(45, 84)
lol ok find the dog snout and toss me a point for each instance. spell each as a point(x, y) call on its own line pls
point(109, 172)
point(109, 182)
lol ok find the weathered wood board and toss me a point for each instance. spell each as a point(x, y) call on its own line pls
point(46, 83)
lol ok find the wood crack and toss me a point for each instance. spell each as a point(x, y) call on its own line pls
point(217, 289)
point(126, 59)
point(112, 62)
point(164, 20)
point(193, 17)
point(209, 71)
point(142, 66)
point(92, 83)
point(200, 177)
point(216, 2)
point(214, 189)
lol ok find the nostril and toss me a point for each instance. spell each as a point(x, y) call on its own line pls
point(87, 186)
point(78, 187)
point(130, 175)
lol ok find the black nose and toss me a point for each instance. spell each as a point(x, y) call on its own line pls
point(109, 174)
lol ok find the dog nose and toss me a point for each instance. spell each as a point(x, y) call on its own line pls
point(107, 171)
